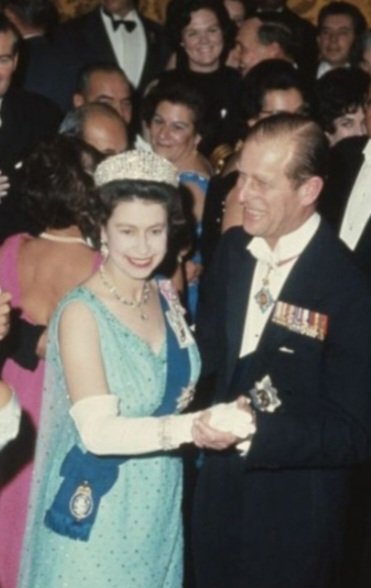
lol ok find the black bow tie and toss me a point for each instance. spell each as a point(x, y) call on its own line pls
point(129, 25)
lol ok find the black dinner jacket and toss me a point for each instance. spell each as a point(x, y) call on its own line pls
point(346, 160)
point(277, 518)
point(83, 40)
point(317, 378)
point(26, 119)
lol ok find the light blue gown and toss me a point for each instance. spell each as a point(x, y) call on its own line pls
point(137, 538)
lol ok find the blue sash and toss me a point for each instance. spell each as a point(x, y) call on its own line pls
point(88, 477)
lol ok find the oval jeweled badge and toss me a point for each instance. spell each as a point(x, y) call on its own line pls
point(264, 396)
point(81, 503)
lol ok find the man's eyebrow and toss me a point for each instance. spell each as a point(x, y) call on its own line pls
point(105, 96)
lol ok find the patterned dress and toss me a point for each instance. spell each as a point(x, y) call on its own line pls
point(136, 540)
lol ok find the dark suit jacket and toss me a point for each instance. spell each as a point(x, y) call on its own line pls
point(27, 118)
point(276, 519)
point(84, 40)
point(345, 162)
point(37, 66)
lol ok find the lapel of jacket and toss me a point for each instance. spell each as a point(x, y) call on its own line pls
point(7, 109)
point(96, 37)
point(10, 141)
point(302, 289)
point(154, 57)
point(240, 273)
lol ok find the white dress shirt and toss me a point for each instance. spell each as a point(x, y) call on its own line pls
point(130, 48)
point(325, 66)
point(358, 209)
point(275, 264)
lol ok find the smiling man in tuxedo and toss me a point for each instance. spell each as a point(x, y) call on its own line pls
point(114, 32)
point(291, 315)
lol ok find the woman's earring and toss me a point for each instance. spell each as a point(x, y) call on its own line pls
point(104, 249)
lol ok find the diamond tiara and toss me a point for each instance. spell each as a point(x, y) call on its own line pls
point(136, 165)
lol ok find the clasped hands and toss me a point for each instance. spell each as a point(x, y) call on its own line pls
point(225, 425)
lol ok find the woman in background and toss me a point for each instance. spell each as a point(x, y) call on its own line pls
point(202, 34)
point(38, 271)
point(174, 115)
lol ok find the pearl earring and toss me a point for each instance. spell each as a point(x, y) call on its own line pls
point(104, 249)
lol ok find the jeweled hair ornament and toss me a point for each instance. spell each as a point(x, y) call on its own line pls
point(136, 165)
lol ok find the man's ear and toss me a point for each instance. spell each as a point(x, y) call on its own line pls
point(77, 100)
point(274, 50)
point(310, 190)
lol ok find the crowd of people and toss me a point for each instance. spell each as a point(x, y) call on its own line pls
point(185, 296)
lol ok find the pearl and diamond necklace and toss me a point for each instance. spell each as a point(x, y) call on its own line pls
point(145, 296)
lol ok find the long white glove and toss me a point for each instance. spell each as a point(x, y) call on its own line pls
point(105, 432)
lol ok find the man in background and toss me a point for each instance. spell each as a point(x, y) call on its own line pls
point(340, 24)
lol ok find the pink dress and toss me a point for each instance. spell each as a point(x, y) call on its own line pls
point(16, 460)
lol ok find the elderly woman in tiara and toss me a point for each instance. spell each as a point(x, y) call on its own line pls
point(121, 366)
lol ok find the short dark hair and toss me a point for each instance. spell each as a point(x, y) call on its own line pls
point(336, 8)
point(87, 71)
point(56, 183)
point(38, 13)
point(311, 153)
point(175, 93)
point(74, 122)
point(274, 30)
point(8, 27)
point(266, 76)
point(338, 92)
point(178, 16)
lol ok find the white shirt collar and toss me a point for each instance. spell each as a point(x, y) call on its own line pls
point(325, 66)
point(288, 246)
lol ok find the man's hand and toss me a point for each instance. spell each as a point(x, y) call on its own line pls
point(207, 437)
point(5, 394)
point(231, 424)
point(193, 271)
point(5, 298)
point(4, 185)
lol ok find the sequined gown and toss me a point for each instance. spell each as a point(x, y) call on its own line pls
point(136, 541)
